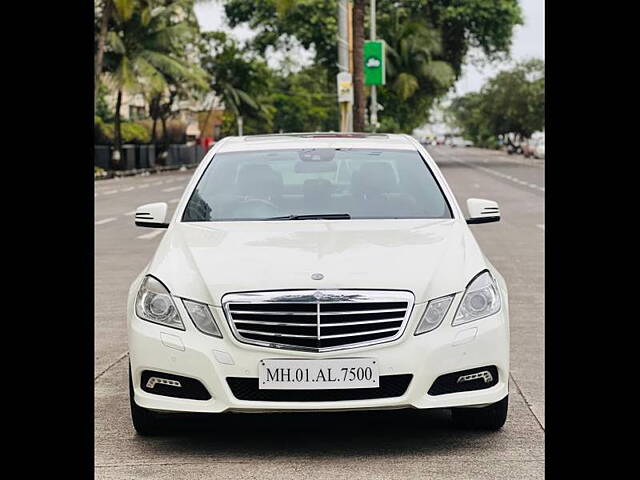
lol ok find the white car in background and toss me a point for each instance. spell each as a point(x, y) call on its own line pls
point(318, 272)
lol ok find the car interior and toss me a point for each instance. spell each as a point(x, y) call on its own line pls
point(362, 187)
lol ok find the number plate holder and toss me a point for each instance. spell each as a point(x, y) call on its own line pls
point(320, 374)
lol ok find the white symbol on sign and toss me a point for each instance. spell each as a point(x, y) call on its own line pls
point(373, 62)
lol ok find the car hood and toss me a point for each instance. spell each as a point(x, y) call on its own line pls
point(205, 260)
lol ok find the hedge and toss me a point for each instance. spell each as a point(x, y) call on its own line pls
point(131, 132)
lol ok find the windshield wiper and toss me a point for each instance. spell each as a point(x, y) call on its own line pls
point(314, 216)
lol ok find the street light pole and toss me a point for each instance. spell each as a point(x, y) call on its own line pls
point(374, 93)
point(346, 117)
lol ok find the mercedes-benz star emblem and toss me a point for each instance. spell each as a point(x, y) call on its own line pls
point(317, 276)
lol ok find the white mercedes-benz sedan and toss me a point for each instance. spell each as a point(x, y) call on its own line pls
point(318, 272)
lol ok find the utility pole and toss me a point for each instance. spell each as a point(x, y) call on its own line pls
point(374, 93)
point(344, 77)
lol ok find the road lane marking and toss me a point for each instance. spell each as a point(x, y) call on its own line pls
point(150, 235)
point(174, 200)
point(146, 185)
point(110, 192)
point(128, 214)
point(105, 220)
point(496, 173)
point(128, 189)
point(540, 226)
point(171, 189)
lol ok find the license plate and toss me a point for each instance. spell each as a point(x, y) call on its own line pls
point(334, 373)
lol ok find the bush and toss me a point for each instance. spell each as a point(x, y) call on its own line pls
point(132, 132)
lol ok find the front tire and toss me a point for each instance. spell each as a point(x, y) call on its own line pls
point(144, 421)
point(491, 417)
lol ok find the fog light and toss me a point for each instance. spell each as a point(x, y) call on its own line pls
point(485, 375)
point(162, 381)
point(477, 378)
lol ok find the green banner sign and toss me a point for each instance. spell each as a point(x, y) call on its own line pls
point(374, 61)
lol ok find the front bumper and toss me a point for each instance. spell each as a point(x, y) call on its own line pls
point(211, 360)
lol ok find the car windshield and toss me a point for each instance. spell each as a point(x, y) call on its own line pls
point(316, 183)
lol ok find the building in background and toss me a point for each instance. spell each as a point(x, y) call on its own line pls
point(202, 118)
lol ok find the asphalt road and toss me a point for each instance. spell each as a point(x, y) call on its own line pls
point(386, 444)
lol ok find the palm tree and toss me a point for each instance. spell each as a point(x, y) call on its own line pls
point(411, 65)
point(105, 17)
point(232, 77)
point(359, 97)
point(145, 48)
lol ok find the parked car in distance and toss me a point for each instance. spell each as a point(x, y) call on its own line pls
point(457, 142)
point(534, 147)
point(538, 151)
point(318, 272)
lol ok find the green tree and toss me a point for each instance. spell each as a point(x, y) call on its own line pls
point(458, 26)
point(238, 79)
point(103, 14)
point(277, 23)
point(512, 102)
point(144, 46)
point(305, 101)
point(417, 77)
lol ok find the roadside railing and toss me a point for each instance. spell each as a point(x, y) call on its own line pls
point(140, 157)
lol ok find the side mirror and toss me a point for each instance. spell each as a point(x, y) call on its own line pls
point(482, 211)
point(152, 215)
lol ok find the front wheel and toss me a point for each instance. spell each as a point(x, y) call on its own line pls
point(144, 421)
point(491, 417)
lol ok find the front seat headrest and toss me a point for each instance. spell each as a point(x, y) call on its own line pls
point(259, 181)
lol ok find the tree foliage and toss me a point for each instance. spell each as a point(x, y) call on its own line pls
point(155, 47)
point(146, 44)
point(305, 102)
point(239, 79)
point(276, 23)
point(512, 102)
point(429, 41)
point(146, 49)
point(132, 132)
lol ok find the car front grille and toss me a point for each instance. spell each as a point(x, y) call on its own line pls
point(318, 320)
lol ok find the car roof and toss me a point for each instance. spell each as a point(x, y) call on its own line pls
point(317, 140)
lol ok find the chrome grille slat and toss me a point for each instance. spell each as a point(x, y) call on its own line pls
point(278, 324)
point(260, 312)
point(358, 334)
point(365, 312)
point(281, 319)
point(362, 322)
point(271, 334)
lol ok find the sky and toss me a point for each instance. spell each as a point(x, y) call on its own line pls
point(528, 40)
